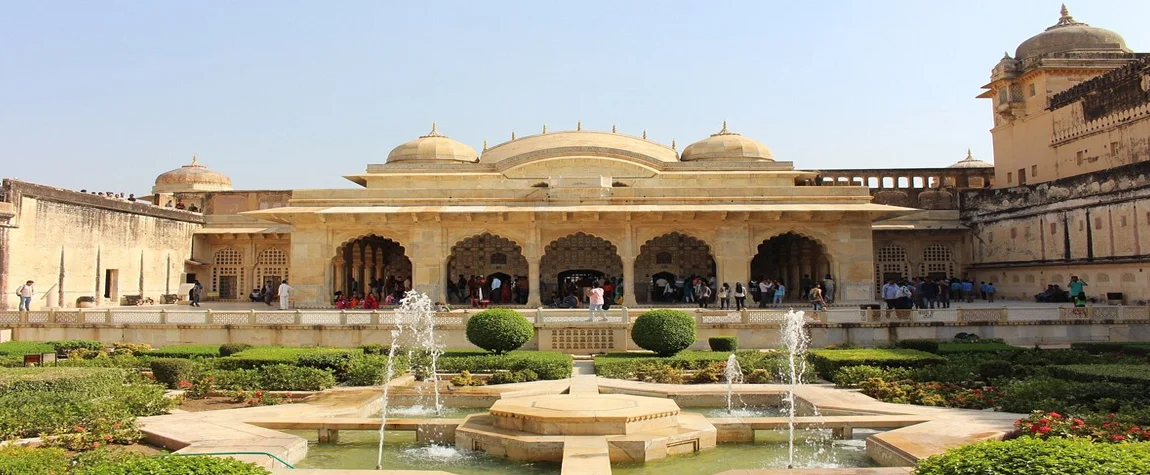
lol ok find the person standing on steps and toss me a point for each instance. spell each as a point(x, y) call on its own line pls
point(285, 294)
point(595, 301)
point(26, 291)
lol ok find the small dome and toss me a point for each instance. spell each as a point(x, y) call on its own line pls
point(727, 145)
point(1071, 35)
point(432, 146)
point(970, 162)
point(193, 177)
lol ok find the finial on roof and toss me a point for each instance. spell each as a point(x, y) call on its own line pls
point(672, 144)
point(512, 135)
point(434, 131)
point(484, 145)
point(579, 125)
point(1065, 19)
point(644, 135)
point(544, 128)
point(195, 161)
point(725, 131)
point(969, 156)
point(1006, 55)
point(614, 129)
point(724, 126)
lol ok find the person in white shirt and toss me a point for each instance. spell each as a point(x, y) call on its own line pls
point(496, 291)
point(284, 293)
point(25, 293)
point(595, 301)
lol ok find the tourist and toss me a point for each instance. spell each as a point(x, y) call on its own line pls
point(780, 291)
point(569, 302)
point(943, 293)
point(929, 292)
point(816, 296)
point(608, 294)
point(496, 289)
point(704, 294)
point(180, 205)
point(595, 301)
point(255, 296)
point(982, 289)
point(765, 293)
point(990, 291)
point(890, 296)
point(196, 293)
point(688, 290)
point(956, 288)
point(463, 288)
point(753, 286)
point(193, 208)
point(25, 293)
point(353, 303)
point(269, 293)
point(132, 197)
point(668, 291)
point(725, 296)
point(169, 204)
point(370, 302)
point(740, 296)
point(1077, 288)
point(285, 294)
point(829, 288)
point(968, 290)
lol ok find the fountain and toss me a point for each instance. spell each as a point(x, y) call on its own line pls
point(795, 339)
point(416, 310)
point(733, 373)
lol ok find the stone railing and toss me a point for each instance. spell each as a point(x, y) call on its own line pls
point(1103, 123)
point(550, 317)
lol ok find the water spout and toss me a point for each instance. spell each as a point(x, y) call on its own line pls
point(795, 340)
point(388, 374)
point(416, 313)
point(733, 373)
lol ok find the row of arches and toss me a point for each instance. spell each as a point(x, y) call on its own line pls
point(569, 262)
point(229, 273)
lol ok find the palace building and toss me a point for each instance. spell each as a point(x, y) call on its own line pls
point(1067, 195)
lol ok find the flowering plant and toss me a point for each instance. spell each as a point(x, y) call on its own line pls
point(95, 434)
point(1106, 429)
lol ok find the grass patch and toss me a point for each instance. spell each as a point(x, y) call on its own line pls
point(624, 365)
point(186, 351)
point(827, 362)
point(546, 364)
point(20, 348)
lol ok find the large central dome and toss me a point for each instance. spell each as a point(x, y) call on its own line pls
point(1070, 35)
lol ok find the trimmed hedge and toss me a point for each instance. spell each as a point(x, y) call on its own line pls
point(229, 349)
point(1127, 374)
point(979, 347)
point(628, 365)
point(170, 371)
point(545, 364)
point(20, 348)
point(665, 332)
point(499, 330)
point(827, 362)
point(179, 464)
point(270, 355)
point(1027, 455)
point(1105, 347)
point(65, 346)
point(19, 460)
point(59, 380)
point(920, 344)
point(282, 377)
point(723, 343)
point(185, 351)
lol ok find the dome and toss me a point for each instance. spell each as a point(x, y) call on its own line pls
point(193, 177)
point(432, 146)
point(970, 162)
point(1071, 35)
point(579, 143)
point(726, 145)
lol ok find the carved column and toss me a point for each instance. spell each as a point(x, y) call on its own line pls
point(533, 298)
point(629, 282)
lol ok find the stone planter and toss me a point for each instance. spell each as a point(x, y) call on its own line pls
point(85, 302)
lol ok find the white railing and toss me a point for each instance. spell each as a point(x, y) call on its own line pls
point(616, 315)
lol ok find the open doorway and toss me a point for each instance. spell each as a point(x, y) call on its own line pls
point(112, 284)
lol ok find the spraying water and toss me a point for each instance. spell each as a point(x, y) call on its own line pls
point(388, 374)
point(416, 313)
point(733, 373)
point(795, 340)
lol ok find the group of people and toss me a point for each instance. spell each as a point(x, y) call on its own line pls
point(575, 291)
point(379, 292)
point(179, 204)
point(1076, 293)
point(111, 195)
point(477, 289)
point(929, 292)
point(268, 294)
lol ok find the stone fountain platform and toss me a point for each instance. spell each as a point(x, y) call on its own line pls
point(537, 428)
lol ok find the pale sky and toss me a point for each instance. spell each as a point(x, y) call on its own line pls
point(278, 94)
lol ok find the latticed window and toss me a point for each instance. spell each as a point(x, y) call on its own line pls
point(891, 252)
point(938, 261)
point(271, 265)
point(498, 259)
point(663, 258)
point(227, 272)
point(228, 256)
point(272, 257)
point(890, 264)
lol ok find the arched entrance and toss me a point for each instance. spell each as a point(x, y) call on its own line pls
point(372, 263)
point(581, 256)
point(797, 260)
point(490, 256)
point(670, 256)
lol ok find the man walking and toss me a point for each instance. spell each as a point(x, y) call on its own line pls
point(284, 293)
point(25, 293)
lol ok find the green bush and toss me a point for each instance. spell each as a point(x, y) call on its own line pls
point(374, 349)
point(57, 380)
point(114, 360)
point(18, 460)
point(177, 464)
point(464, 379)
point(852, 376)
point(337, 363)
point(659, 372)
point(370, 370)
point(229, 349)
point(1109, 347)
point(185, 351)
point(995, 369)
point(499, 330)
point(1027, 456)
point(20, 348)
point(827, 362)
point(713, 373)
point(624, 365)
point(270, 355)
point(920, 344)
point(66, 346)
point(665, 332)
point(1048, 394)
point(283, 377)
point(546, 364)
point(977, 347)
point(170, 371)
point(723, 343)
point(235, 379)
point(505, 377)
point(54, 409)
point(1128, 374)
point(760, 376)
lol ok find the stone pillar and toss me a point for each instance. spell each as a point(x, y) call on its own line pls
point(533, 298)
point(427, 263)
point(629, 282)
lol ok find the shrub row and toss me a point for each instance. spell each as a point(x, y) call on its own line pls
point(827, 362)
point(89, 380)
point(1105, 347)
point(16, 460)
point(186, 351)
point(270, 355)
point(1129, 374)
point(545, 364)
point(1028, 455)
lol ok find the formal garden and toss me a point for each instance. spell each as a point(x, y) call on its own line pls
point(1083, 409)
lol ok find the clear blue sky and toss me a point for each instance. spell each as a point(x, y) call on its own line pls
point(292, 94)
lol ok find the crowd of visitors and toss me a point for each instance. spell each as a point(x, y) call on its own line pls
point(379, 292)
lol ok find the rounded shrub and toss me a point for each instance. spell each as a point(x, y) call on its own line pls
point(920, 344)
point(994, 369)
point(229, 349)
point(1028, 455)
point(723, 343)
point(499, 330)
point(170, 371)
point(665, 332)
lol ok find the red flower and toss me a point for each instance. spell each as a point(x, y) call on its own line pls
point(1055, 415)
point(1044, 430)
point(1117, 437)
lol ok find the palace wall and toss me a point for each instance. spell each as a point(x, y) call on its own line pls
point(76, 244)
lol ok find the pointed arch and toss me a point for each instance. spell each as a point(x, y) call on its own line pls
point(490, 256)
point(576, 258)
point(271, 267)
point(368, 258)
point(670, 257)
point(796, 258)
point(227, 273)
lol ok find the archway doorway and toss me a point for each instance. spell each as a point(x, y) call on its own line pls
point(504, 294)
point(796, 260)
point(664, 288)
point(374, 264)
point(580, 256)
point(489, 255)
point(675, 254)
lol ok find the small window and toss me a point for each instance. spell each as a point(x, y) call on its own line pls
point(1053, 228)
point(1033, 171)
point(1010, 177)
point(1079, 156)
point(1097, 223)
point(1114, 148)
point(1013, 233)
point(1032, 90)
